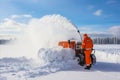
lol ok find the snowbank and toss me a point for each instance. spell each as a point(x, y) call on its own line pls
point(57, 57)
point(107, 57)
point(50, 60)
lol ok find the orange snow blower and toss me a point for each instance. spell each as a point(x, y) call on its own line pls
point(79, 53)
point(76, 46)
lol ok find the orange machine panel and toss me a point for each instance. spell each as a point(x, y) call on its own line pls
point(67, 44)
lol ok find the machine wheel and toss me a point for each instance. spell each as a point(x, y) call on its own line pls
point(93, 58)
point(81, 60)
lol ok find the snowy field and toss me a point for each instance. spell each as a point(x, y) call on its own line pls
point(108, 53)
point(107, 66)
point(108, 48)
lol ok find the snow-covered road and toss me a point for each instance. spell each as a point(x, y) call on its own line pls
point(100, 71)
point(81, 75)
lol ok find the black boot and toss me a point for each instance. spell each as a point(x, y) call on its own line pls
point(88, 67)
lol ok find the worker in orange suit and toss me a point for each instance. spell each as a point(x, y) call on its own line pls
point(87, 46)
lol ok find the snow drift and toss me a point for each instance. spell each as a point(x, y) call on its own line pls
point(57, 57)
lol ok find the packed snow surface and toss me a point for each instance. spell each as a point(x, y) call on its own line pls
point(35, 54)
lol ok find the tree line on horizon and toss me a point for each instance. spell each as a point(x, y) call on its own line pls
point(106, 40)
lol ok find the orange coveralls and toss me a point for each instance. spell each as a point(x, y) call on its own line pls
point(87, 45)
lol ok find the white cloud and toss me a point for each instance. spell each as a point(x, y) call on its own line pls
point(27, 16)
point(98, 12)
point(11, 26)
point(21, 16)
point(115, 30)
point(14, 16)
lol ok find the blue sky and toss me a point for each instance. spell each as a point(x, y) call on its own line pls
point(97, 15)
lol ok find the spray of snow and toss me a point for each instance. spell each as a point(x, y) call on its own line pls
point(45, 33)
point(49, 30)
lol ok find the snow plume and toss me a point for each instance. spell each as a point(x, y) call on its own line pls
point(49, 30)
point(44, 32)
point(115, 30)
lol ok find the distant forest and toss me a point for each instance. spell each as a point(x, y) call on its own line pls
point(107, 40)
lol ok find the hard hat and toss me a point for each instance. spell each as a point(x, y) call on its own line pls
point(85, 34)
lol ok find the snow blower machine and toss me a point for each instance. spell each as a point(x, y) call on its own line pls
point(79, 52)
